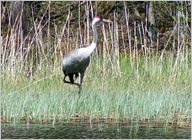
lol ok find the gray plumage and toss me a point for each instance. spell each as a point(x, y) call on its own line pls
point(76, 62)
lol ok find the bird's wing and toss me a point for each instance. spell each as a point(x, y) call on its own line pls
point(78, 54)
point(76, 60)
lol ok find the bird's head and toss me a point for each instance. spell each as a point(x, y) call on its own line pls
point(99, 19)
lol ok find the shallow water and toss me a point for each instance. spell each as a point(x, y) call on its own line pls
point(76, 131)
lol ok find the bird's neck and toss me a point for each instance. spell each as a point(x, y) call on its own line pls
point(95, 35)
point(94, 42)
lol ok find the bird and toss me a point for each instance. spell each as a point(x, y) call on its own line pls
point(76, 62)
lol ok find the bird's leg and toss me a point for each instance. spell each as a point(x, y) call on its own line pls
point(72, 81)
point(81, 80)
point(71, 78)
point(65, 75)
point(80, 88)
point(76, 75)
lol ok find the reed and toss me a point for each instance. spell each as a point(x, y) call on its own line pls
point(152, 96)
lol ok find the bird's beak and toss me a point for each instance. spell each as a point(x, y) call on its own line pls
point(106, 20)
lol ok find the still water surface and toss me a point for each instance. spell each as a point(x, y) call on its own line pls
point(77, 131)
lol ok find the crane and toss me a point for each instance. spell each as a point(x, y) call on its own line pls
point(76, 62)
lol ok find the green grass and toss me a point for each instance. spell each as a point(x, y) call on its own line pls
point(148, 91)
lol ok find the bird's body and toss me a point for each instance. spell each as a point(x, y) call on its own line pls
point(77, 61)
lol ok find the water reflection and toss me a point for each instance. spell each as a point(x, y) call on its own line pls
point(76, 131)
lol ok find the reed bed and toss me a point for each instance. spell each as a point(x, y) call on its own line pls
point(147, 97)
point(139, 85)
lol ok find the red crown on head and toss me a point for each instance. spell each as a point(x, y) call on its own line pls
point(97, 17)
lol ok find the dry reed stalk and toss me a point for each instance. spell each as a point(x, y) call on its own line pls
point(157, 48)
point(55, 47)
point(109, 45)
point(84, 34)
point(48, 34)
point(14, 45)
point(135, 51)
point(59, 40)
point(143, 35)
point(5, 46)
point(162, 53)
point(20, 50)
point(140, 33)
point(145, 47)
point(39, 42)
point(122, 34)
point(77, 40)
point(104, 50)
point(178, 55)
point(88, 25)
point(179, 44)
point(111, 32)
point(38, 27)
point(92, 15)
point(68, 33)
point(135, 40)
point(128, 32)
point(79, 21)
point(116, 46)
point(106, 53)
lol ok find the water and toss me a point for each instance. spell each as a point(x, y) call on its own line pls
point(76, 131)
